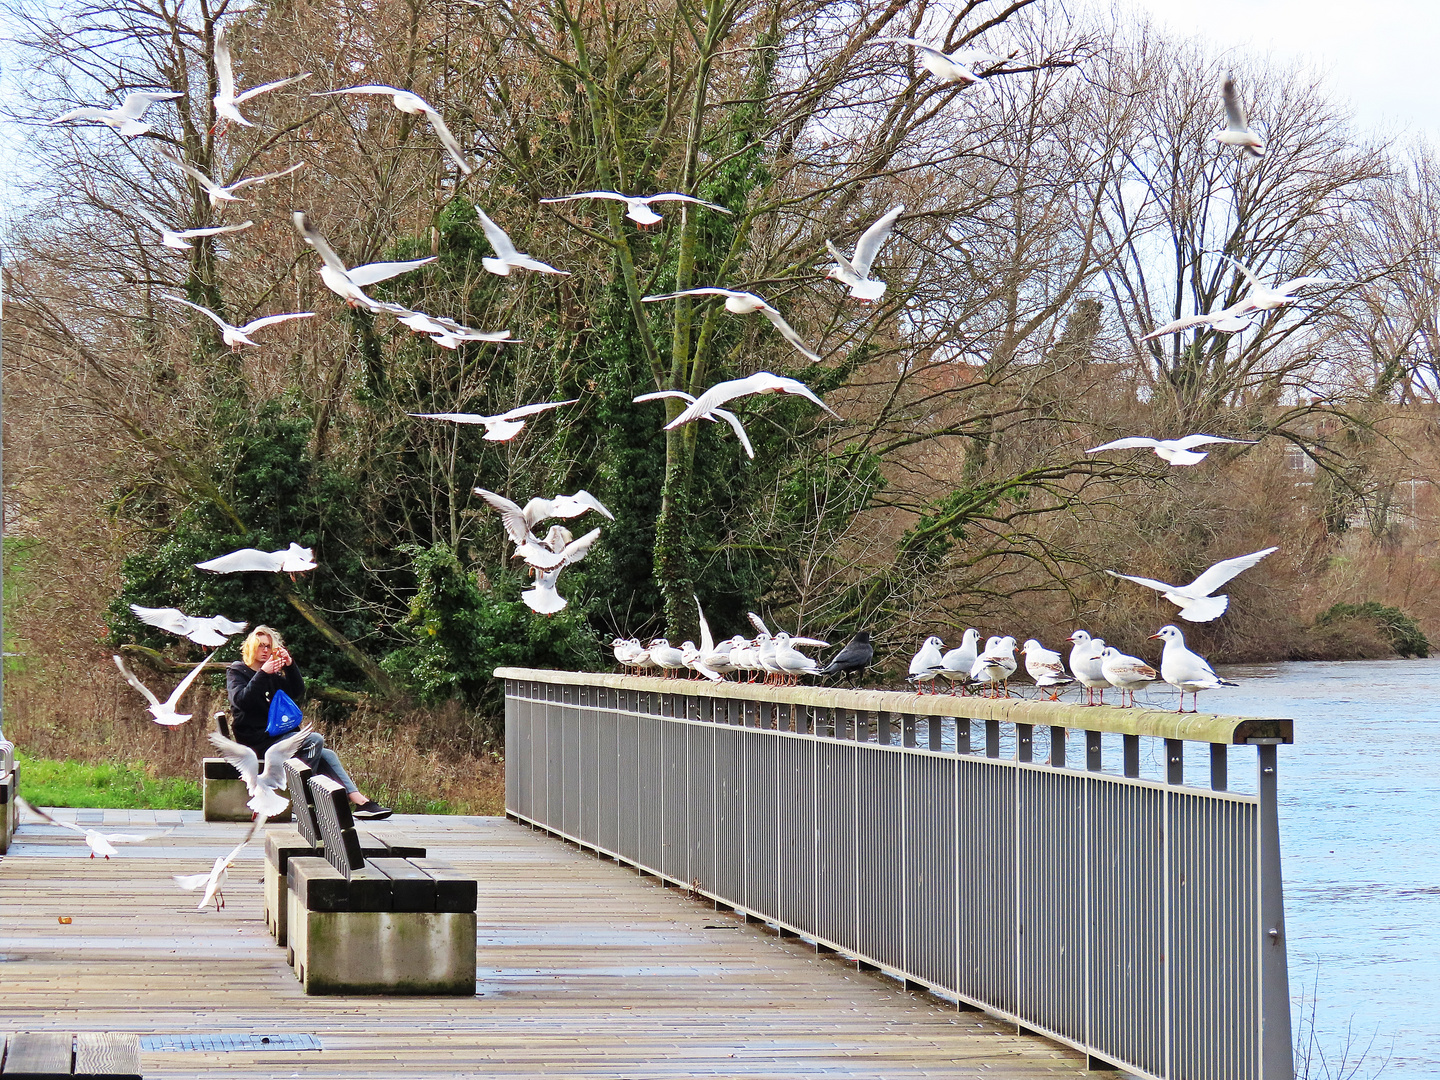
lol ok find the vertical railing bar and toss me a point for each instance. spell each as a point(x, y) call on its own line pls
point(1094, 756)
point(992, 738)
point(1024, 742)
point(1175, 761)
point(1057, 747)
point(1219, 767)
point(1132, 754)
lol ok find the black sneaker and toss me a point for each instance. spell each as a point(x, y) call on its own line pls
point(371, 811)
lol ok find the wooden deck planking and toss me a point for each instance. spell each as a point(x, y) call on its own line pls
point(586, 969)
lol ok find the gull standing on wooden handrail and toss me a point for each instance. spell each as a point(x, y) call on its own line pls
point(956, 664)
point(1184, 669)
point(926, 664)
point(1045, 667)
point(995, 665)
point(1125, 673)
point(1085, 665)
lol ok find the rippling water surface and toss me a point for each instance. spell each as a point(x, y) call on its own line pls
point(1360, 840)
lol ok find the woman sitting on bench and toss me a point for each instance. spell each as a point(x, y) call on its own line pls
point(266, 666)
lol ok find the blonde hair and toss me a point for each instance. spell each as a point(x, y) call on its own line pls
point(252, 644)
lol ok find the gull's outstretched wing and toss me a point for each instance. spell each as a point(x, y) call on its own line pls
point(241, 756)
point(569, 506)
point(170, 619)
point(873, 238)
point(271, 320)
point(531, 410)
point(707, 641)
point(735, 425)
point(1151, 583)
point(675, 196)
point(203, 311)
point(46, 817)
point(182, 686)
point(370, 273)
point(1234, 111)
point(133, 681)
point(498, 237)
point(214, 230)
point(1131, 443)
point(273, 775)
point(1189, 442)
point(319, 243)
point(612, 195)
point(511, 516)
point(447, 140)
point(265, 88)
point(658, 394)
point(135, 104)
point(1222, 572)
point(757, 622)
point(691, 292)
point(251, 181)
point(1185, 324)
point(224, 70)
point(787, 332)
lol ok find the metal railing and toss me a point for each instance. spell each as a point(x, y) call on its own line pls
point(1139, 921)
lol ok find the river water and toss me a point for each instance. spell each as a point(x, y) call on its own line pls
point(1360, 843)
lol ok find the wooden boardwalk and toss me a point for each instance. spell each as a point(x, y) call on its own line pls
point(585, 970)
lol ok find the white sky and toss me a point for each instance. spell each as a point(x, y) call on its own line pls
point(1383, 55)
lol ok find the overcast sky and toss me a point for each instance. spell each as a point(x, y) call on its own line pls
point(1383, 56)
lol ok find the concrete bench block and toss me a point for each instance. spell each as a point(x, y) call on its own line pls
point(224, 795)
point(284, 843)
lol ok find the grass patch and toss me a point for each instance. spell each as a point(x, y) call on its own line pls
point(102, 786)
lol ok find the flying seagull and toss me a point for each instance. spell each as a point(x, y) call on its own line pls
point(349, 284)
point(743, 303)
point(447, 333)
point(263, 784)
point(637, 207)
point(291, 560)
point(99, 843)
point(1237, 131)
point(502, 426)
point(162, 712)
point(235, 336)
point(1262, 297)
point(175, 238)
point(947, 67)
point(855, 271)
point(223, 193)
point(762, 382)
point(212, 631)
point(1175, 451)
point(214, 882)
point(414, 105)
point(715, 414)
point(506, 257)
point(1230, 320)
point(125, 119)
point(1194, 600)
point(226, 100)
point(520, 523)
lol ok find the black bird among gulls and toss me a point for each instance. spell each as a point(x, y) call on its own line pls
point(854, 657)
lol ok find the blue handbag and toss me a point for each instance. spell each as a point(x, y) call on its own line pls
point(284, 715)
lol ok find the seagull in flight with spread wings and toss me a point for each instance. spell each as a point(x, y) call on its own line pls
point(214, 882)
point(1237, 130)
point(714, 414)
point(501, 427)
point(226, 100)
point(99, 843)
point(855, 271)
point(506, 257)
point(1262, 297)
point(211, 631)
point(349, 284)
point(175, 238)
point(743, 303)
point(413, 104)
point(263, 784)
point(1175, 451)
point(223, 193)
point(637, 207)
point(162, 712)
point(235, 336)
point(762, 382)
point(1194, 600)
point(125, 119)
point(291, 560)
point(1230, 320)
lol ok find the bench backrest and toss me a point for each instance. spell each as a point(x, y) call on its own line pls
point(302, 803)
point(337, 825)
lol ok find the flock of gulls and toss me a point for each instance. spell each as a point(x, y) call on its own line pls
point(777, 657)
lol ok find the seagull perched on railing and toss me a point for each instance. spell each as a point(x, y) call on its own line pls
point(1085, 664)
point(1125, 673)
point(995, 665)
point(1187, 671)
point(956, 664)
point(926, 664)
point(1045, 667)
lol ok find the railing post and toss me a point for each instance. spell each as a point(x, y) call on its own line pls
point(1024, 742)
point(1094, 758)
point(805, 721)
point(907, 730)
point(882, 728)
point(1219, 766)
point(936, 732)
point(1276, 1062)
point(1132, 754)
point(962, 735)
point(1174, 761)
point(1057, 747)
point(992, 738)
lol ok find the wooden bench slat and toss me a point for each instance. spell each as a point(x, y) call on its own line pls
point(216, 768)
point(369, 890)
point(411, 888)
point(301, 801)
point(397, 844)
point(107, 1055)
point(337, 825)
point(317, 885)
point(38, 1055)
point(454, 890)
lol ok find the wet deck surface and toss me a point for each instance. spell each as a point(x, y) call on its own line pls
point(585, 970)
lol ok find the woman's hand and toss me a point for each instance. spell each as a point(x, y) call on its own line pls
point(275, 662)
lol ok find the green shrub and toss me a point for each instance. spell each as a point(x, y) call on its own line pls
point(1402, 632)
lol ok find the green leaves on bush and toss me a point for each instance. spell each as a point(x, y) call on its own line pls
point(1403, 632)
